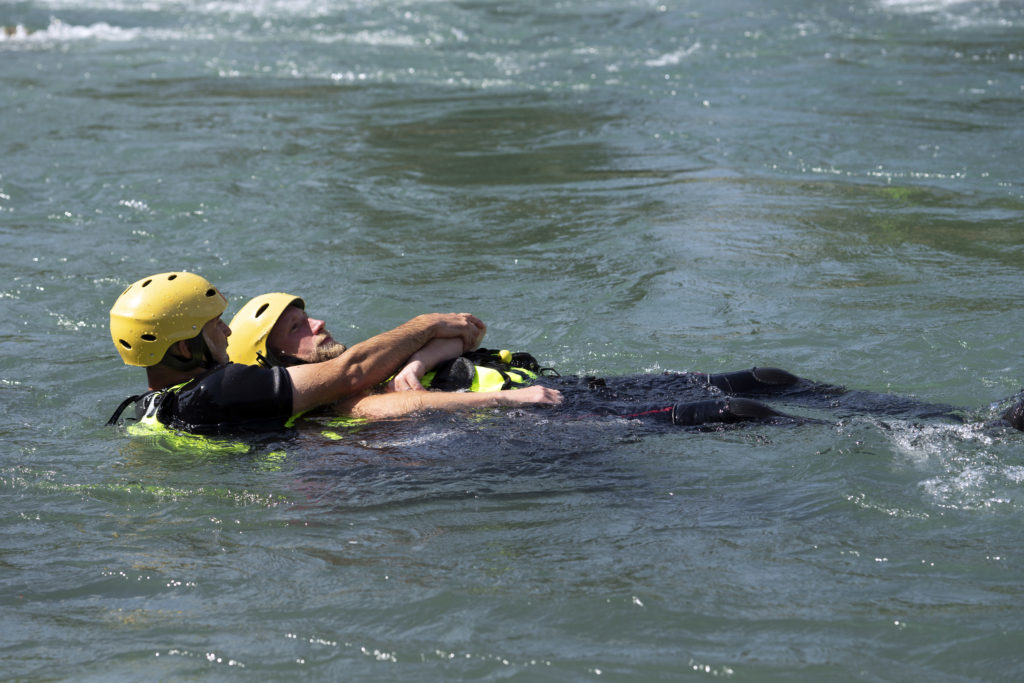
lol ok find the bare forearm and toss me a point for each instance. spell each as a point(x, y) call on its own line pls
point(371, 362)
point(374, 360)
point(437, 351)
point(378, 406)
point(427, 358)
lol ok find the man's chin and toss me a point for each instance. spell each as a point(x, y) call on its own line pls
point(328, 352)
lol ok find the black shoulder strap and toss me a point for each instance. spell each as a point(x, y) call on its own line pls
point(120, 409)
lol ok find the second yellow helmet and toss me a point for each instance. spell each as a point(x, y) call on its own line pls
point(252, 325)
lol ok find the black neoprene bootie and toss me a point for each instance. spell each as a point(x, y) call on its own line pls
point(699, 412)
point(753, 381)
point(749, 409)
point(1015, 416)
point(720, 410)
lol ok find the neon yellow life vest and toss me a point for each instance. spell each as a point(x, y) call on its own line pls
point(150, 427)
point(159, 435)
point(491, 379)
point(485, 370)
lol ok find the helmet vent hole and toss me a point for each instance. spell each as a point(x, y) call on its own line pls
point(147, 337)
point(125, 344)
point(171, 276)
point(146, 283)
point(262, 310)
point(211, 292)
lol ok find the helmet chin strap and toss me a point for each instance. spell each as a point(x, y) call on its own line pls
point(272, 359)
point(209, 361)
point(198, 349)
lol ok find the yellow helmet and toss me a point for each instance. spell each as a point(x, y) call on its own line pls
point(157, 311)
point(252, 325)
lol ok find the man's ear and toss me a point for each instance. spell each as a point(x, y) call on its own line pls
point(181, 350)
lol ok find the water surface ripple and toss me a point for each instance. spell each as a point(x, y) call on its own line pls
point(617, 187)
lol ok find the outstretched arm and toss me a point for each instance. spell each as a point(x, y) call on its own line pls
point(374, 360)
point(398, 404)
point(438, 350)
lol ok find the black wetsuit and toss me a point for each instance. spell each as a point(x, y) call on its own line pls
point(1015, 415)
point(685, 399)
point(232, 398)
point(229, 398)
point(693, 399)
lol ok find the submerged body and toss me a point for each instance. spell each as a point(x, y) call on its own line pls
point(276, 333)
point(235, 398)
point(695, 399)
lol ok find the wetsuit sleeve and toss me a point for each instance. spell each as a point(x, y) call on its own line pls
point(236, 396)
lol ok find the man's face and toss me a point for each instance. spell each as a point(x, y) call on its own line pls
point(216, 333)
point(296, 334)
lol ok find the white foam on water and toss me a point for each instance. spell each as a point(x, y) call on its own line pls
point(974, 487)
point(674, 58)
point(973, 473)
point(954, 13)
point(916, 6)
point(58, 31)
point(429, 437)
point(923, 442)
point(255, 8)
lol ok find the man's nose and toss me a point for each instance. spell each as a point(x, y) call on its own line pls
point(316, 325)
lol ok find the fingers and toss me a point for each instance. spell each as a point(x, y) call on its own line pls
point(479, 339)
point(474, 331)
point(465, 326)
point(535, 394)
point(406, 381)
point(552, 396)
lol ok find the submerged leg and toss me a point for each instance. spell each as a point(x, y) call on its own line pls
point(753, 381)
point(721, 410)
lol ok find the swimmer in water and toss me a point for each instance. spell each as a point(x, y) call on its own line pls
point(170, 324)
point(274, 330)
